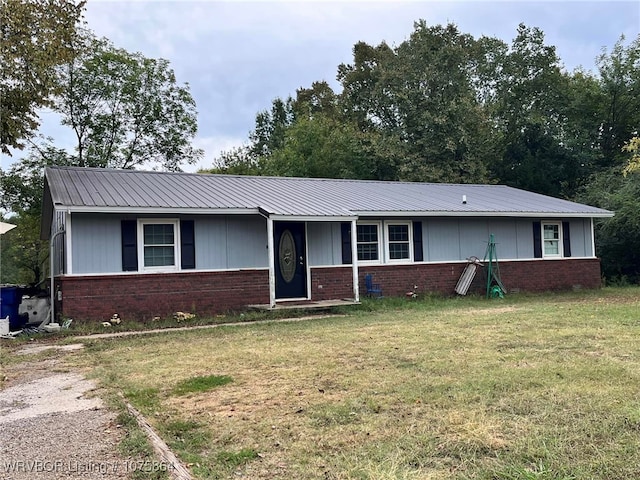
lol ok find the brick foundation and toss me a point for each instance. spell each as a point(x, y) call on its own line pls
point(145, 296)
point(209, 293)
point(525, 276)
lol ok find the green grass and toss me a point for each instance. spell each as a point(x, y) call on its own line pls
point(529, 387)
point(201, 384)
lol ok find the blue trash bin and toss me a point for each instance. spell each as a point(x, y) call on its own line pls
point(10, 300)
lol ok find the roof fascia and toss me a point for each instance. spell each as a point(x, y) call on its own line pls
point(160, 210)
point(313, 218)
point(328, 218)
point(427, 213)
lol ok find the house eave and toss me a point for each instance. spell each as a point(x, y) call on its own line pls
point(445, 213)
point(355, 215)
point(160, 210)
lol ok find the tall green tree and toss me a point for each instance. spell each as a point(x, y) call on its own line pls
point(620, 82)
point(422, 92)
point(125, 109)
point(322, 146)
point(530, 111)
point(35, 38)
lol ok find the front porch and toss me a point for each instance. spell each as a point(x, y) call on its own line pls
point(305, 305)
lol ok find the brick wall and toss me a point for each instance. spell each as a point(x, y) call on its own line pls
point(208, 293)
point(145, 296)
point(332, 283)
point(525, 276)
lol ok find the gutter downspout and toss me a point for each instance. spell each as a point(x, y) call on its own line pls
point(51, 288)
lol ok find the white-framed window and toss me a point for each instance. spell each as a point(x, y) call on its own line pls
point(551, 239)
point(368, 242)
point(399, 244)
point(158, 244)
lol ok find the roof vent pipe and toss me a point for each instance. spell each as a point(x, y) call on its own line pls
point(464, 199)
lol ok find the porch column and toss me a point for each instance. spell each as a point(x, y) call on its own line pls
point(354, 260)
point(593, 239)
point(272, 263)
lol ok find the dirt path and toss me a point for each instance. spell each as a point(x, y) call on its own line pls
point(51, 427)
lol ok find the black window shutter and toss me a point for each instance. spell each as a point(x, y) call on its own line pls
point(129, 248)
point(566, 239)
point(187, 244)
point(418, 254)
point(345, 229)
point(537, 240)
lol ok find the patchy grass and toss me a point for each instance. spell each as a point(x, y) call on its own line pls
point(529, 387)
point(88, 327)
point(201, 384)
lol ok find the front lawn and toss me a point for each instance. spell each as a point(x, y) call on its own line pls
point(529, 387)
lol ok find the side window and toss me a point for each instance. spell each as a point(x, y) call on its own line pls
point(399, 243)
point(368, 242)
point(551, 239)
point(158, 246)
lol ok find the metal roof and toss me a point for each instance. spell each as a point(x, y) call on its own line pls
point(110, 190)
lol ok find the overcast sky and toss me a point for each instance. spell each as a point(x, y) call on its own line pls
point(238, 56)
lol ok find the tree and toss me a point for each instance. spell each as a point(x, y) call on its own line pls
point(125, 109)
point(270, 128)
point(422, 92)
point(617, 238)
point(633, 148)
point(22, 185)
point(620, 83)
point(24, 254)
point(531, 111)
point(321, 146)
point(36, 37)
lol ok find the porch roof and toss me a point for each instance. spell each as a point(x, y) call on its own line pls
point(110, 190)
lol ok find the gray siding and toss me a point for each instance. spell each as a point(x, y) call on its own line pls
point(443, 236)
point(246, 242)
point(221, 243)
point(96, 244)
point(324, 243)
point(581, 245)
point(474, 236)
point(228, 242)
point(524, 238)
point(449, 239)
point(231, 242)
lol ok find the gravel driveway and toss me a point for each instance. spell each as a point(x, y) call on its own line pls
point(51, 427)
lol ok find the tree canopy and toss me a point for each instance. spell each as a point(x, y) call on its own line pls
point(35, 38)
point(125, 109)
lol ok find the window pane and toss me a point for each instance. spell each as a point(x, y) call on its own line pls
point(551, 232)
point(367, 233)
point(158, 256)
point(398, 233)
point(158, 234)
point(398, 251)
point(368, 251)
point(551, 247)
